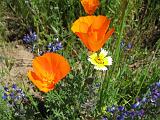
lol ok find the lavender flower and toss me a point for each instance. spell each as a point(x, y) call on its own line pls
point(14, 86)
point(138, 109)
point(129, 46)
point(13, 94)
point(120, 117)
point(53, 47)
point(5, 96)
point(121, 108)
point(158, 84)
point(29, 38)
point(135, 105)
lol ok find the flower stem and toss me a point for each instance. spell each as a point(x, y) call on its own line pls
point(104, 85)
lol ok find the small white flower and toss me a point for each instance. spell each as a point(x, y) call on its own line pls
point(100, 61)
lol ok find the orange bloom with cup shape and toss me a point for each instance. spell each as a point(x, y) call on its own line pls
point(90, 6)
point(93, 31)
point(48, 70)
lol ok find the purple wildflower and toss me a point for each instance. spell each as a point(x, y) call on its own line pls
point(29, 38)
point(54, 47)
point(135, 105)
point(120, 117)
point(129, 46)
point(5, 96)
point(14, 86)
point(158, 84)
point(120, 108)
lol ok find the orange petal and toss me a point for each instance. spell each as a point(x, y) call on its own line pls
point(82, 24)
point(57, 64)
point(109, 33)
point(99, 22)
point(92, 31)
point(62, 68)
point(84, 37)
point(90, 6)
point(38, 82)
point(41, 66)
point(48, 70)
point(79, 26)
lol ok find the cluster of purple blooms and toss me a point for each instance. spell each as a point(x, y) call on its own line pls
point(13, 95)
point(138, 109)
point(30, 37)
point(53, 47)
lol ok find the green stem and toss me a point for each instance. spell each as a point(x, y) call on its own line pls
point(83, 81)
point(104, 84)
point(120, 32)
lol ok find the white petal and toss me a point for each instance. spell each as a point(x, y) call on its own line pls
point(100, 68)
point(103, 53)
point(109, 60)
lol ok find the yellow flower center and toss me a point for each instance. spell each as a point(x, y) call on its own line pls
point(48, 78)
point(99, 60)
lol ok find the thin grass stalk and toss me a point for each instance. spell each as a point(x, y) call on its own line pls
point(122, 20)
point(104, 85)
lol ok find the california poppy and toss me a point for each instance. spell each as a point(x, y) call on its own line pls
point(93, 31)
point(90, 6)
point(48, 70)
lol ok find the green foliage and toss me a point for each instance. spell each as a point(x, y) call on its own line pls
point(5, 111)
point(78, 97)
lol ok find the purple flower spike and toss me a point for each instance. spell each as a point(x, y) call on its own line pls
point(132, 114)
point(136, 105)
point(55, 47)
point(120, 117)
point(129, 46)
point(5, 96)
point(158, 84)
point(12, 95)
point(14, 86)
point(140, 113)
point(120, 108)
point(29, 38)
point(126, 113)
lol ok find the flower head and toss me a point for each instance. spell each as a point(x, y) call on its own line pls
point(93, 31)
point(13, 94)
point(90, 6)
point(48, 70)
point(100, 61)
point(30, 37)
point(54, 47)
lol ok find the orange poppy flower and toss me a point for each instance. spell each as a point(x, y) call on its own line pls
point(48, 70)
point(90, 5)
point(93, 31)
